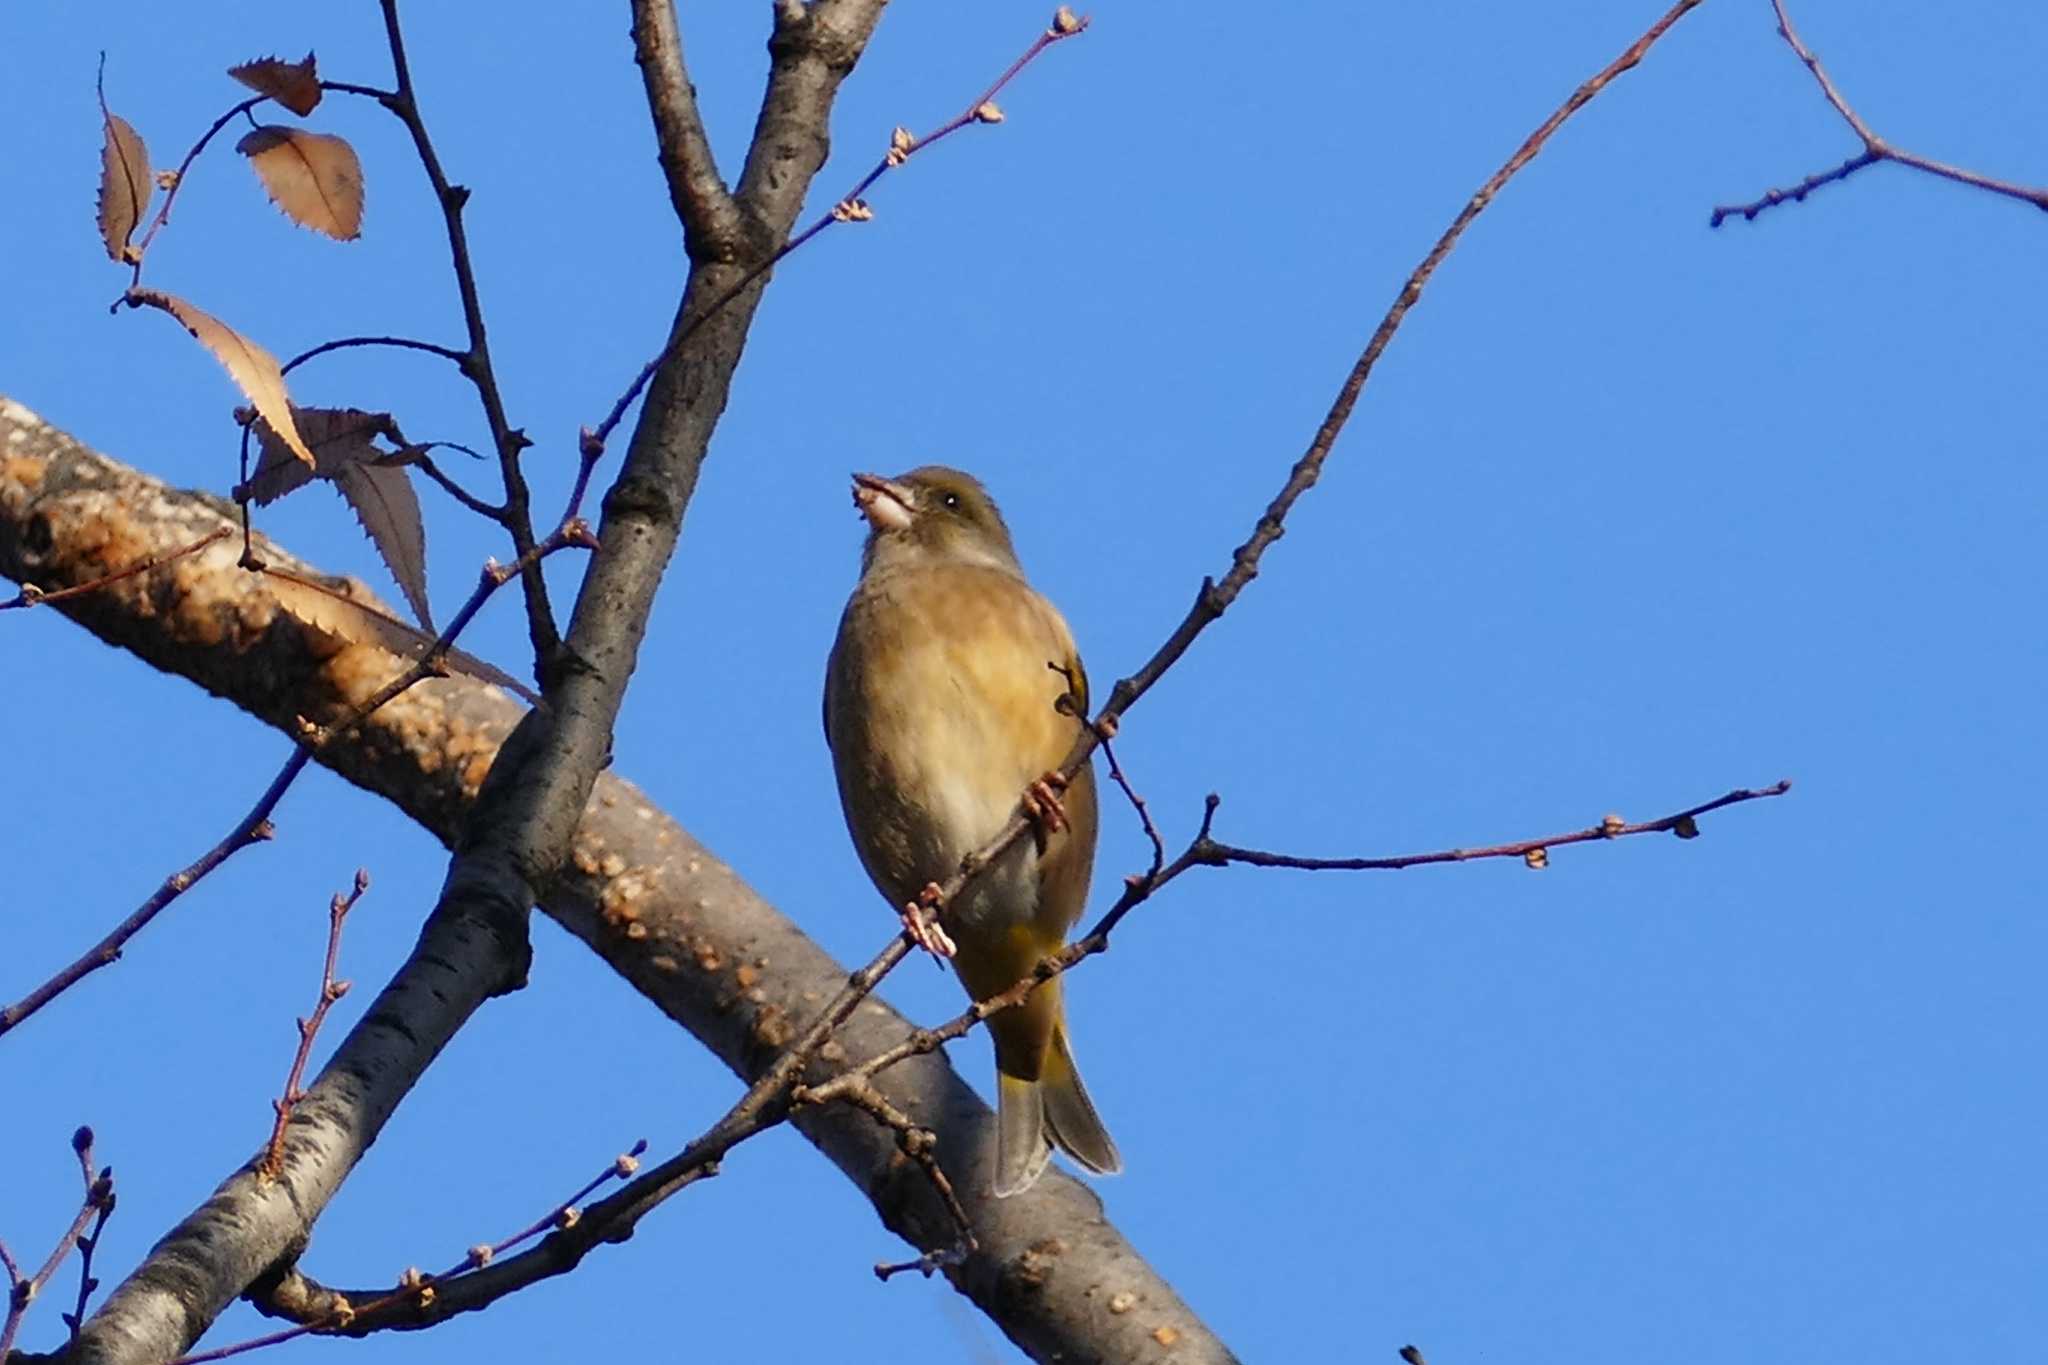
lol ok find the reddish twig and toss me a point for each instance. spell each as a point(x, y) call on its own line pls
point(319, 1309)
point(176, 181)
point(1205, 851)
point(565, 1214)
point(921, 1146)
point(1875, 149)
point(252, 828)
point(33, 596)
point(1612, 827)
point(1116, 775)
point(850, 208)
point(331, 990)
point(22, 1290)
point(256, 826)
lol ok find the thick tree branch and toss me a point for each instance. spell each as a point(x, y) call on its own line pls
point(1875, 148)
point(710, 217)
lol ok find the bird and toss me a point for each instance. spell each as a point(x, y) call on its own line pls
point(952, 695)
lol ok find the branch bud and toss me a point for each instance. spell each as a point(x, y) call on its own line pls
point(989, 112)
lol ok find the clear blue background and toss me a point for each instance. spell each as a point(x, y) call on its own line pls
point(1634, 512)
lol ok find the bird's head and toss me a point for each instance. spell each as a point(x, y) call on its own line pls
point(933, 513)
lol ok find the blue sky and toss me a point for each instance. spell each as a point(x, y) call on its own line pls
point(1633, 512)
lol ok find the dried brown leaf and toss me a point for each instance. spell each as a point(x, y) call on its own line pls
point(335, 612)
point(338, 438)
point(124, 182)
point(389, 512)
point(367, 475)
point(254, 370)
point(295, 85)
point(314, 177)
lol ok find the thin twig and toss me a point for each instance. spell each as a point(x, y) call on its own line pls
point(176, 182)
point(1205, 851)
point(508, 441)
point(331, 990)
point(399, 343)
point(921, 1145)
point(1116, 774)
point(22, 1290)
point(318, 1308)
point(624, 1167)
point(850, 208)
point(1875, 149)
point(33, 596)
point(251, 828)
point(491, 511)
point(256, 826)
point(1683, 824)
point(87, 1245)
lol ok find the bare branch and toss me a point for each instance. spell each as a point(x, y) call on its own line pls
point(921, 1146)
point(850, 208)
point(507, 440)
point(1682, 823)
point(331, 990)
point(1205, 851)
point(175, 181)
point(251, 828)
point(316, 1308)
point(32, 596)
point(256, 826)
point(709, 215)
point(23, 1289)
point(1875, 149)
point(399, 343)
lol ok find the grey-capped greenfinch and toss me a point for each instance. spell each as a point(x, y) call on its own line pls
point(952, 689)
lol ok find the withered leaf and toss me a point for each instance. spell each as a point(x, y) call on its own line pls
point(314, 177)
point(254, 370)
point(124, 182)
point(335, 612)
point(389, 512)
point(368, 476)
point(338, 437)
point(295, 85)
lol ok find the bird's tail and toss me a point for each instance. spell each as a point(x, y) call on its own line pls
point(1054, 1107)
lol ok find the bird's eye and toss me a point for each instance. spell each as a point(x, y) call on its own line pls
point(951, 502)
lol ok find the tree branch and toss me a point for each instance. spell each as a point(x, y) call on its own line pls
point(705, 207)
point(506, 440)
point(1875, 149)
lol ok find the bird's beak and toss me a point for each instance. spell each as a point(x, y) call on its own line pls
point(884, 503)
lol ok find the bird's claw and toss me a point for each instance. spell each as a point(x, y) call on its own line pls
point(1042, 804)
point(921, 921)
